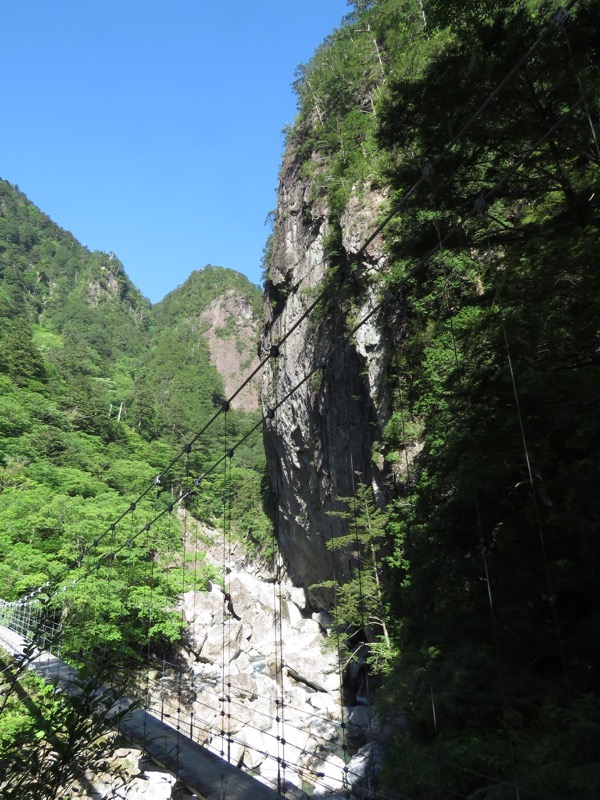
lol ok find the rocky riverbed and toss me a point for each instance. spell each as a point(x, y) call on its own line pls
point(258, 684)
point(262, 687)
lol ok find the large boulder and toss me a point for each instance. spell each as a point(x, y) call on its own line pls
point(222, 646)
point(243, 686)
point(330, 776)
point(243, 602)
point(365, 766)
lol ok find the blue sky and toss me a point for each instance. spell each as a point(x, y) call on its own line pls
point(153, 129)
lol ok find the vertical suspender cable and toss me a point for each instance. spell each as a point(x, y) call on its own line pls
point(560, 19)
point(274, 568)
point(129, 573)
point(223, 699)
point(277, 632)
point(195, 540)
point(226, 638)
point(182, 494)
point(278, 628)
point(538, 521)
point(345, 784)
point(229, 605)
point(359, 560)
point(279, 617)
point(151, 557)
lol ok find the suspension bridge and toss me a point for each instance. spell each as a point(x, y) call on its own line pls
point(205, 752)
point(202, 772)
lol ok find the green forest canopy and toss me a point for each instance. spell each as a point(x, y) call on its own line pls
point(98, 391)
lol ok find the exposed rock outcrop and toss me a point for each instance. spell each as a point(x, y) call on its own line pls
point(325, 434)
point(130, 775)
point(231, 330)
point(215, 313)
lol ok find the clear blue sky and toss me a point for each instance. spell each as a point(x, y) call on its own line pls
point(153, 129)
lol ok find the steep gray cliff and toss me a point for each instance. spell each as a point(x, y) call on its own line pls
point(231, 333)
point(325, 437)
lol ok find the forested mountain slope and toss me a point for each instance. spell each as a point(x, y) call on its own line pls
point(466, 402)
point(98, 391)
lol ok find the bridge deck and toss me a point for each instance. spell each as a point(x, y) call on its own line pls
point(201, 771)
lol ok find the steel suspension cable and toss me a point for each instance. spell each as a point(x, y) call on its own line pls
point(561, 19)
point(225, 751)
point(482, 202)
point(274, 351)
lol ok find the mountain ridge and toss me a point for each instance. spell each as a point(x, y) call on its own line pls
point(98, 390)
point(64, 289)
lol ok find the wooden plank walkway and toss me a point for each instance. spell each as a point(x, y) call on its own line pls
point(201, 771)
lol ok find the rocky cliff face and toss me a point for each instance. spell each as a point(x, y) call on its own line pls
point(231, 338)
point(324, 437)
point(215, 316)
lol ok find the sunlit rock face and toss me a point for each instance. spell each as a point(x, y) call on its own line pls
point(324, 437)
point(257, 652)
point(233, 355)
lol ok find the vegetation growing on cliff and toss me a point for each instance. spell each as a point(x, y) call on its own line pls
point(361, 603)
point(491, 318)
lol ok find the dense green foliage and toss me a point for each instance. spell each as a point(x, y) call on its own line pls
point(361, 603)
point(50, 742)
point(493, 347)
point(98, 392)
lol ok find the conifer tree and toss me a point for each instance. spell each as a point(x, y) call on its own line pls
point(360, 613)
